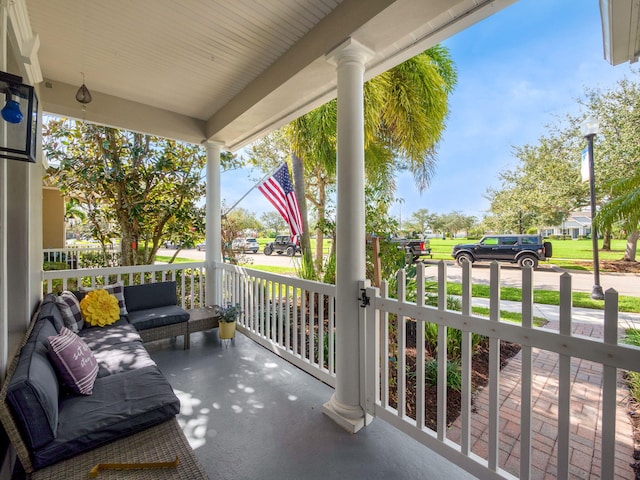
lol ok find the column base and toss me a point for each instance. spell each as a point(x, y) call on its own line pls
point(352, 419)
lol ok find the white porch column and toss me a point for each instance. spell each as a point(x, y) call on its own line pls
point(214, 223)
point(344, 406)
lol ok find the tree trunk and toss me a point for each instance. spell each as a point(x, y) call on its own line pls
point(632, 245)
point(606, 242)
point(299, 184)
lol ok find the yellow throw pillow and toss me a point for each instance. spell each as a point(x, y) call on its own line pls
point(100, 308)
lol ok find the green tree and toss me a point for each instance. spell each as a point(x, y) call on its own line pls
point(136, 188)
point(405, 111)
point(420, 221)
point(544, 187)
point(273, 223)
point(616, 158)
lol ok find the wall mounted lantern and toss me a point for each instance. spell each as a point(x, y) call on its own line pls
point(18, 125)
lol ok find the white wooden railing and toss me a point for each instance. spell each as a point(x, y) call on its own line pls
point(189, 278)
point(385, 315)
point(295, 319)
point(292, 317)
point(73, 254)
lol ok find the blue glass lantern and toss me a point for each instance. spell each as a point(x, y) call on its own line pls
point(19, 118)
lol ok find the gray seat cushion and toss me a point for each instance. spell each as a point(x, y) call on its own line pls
point(120, 405)
point(117, 348)
point(157, 317)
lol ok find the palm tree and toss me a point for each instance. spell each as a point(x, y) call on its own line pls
point(624, 208)
point(405, 112)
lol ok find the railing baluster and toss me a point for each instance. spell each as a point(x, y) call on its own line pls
point(401, 353)
point(442, 354)
point(295, 320)
point(526, 377)
point(384, 338)
point(609, 385)
point(332, 334)
point(465, 363)
point(420, 353)
point(303, 323)
point(494, 369)
point(564, 380)
point(321, 332)
point(312, 327)
point(287, 315)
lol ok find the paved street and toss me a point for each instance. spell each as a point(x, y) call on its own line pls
point(546, 277)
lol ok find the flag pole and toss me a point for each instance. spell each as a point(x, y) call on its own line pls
point(249, 191)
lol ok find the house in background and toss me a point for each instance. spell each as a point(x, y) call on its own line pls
point(577, 225)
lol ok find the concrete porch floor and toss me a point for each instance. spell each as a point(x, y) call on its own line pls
point(249, 414)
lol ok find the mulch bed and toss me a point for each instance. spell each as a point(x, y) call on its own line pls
point(613, 266)
point(479, 378)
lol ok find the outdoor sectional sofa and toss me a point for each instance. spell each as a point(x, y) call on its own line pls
point(47, 423)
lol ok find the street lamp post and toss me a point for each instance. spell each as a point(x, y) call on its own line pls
point(590, 128)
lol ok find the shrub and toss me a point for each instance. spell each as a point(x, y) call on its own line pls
point(454, 374)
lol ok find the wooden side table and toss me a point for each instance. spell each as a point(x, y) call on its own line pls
point(203, 318)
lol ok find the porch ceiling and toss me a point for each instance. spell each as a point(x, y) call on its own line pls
point(221, 70)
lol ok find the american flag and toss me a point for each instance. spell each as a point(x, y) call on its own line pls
point(279, 191)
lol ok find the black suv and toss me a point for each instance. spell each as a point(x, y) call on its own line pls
point(282, 244)
point(525, 250)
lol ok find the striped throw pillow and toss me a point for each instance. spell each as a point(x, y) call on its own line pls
point(74, 361)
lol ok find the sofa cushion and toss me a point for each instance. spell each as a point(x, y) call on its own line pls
point(120, 405)
point(157, 317)
point(150, 295)
point(74, 361)
point(117, 348)
point(115, 289)
point(70, 310)
point(33, 390)
point(49, 309)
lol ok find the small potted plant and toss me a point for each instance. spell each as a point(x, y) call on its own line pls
point(227, 322)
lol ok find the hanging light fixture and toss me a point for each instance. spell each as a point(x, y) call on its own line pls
point(20, 113)
point(83, 95)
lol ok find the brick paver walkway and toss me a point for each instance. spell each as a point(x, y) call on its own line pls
point(586, 407)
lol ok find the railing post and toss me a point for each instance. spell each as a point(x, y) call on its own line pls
point(369, 354)
point(609, 388)
point(564, 380)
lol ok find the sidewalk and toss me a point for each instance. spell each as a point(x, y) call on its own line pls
point(585, 406)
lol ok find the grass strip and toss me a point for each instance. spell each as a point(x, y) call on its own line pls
point(514, 317)
point(545, 297)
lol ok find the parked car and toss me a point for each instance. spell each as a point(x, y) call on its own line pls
point(245, 245)
point(414, 248)
point(172, 245)
point(282, 244)
point(525, 250)
point(201, 246)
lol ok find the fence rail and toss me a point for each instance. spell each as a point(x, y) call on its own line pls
point(189, 278)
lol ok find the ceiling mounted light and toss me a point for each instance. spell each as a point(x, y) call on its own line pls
point(83, 95)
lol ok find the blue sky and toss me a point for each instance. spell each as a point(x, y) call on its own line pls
point(518, 71)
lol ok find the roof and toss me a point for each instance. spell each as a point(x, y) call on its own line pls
point(218, 70)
